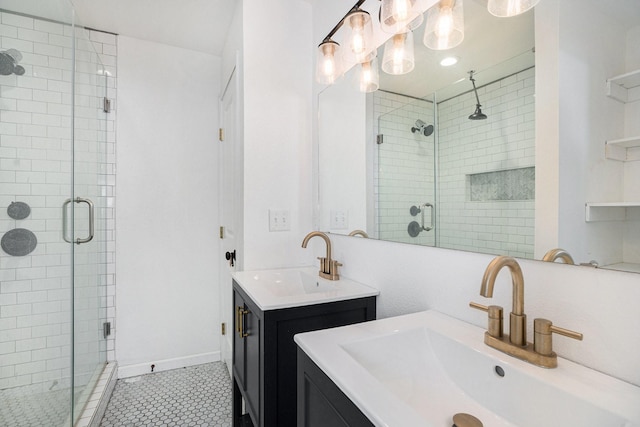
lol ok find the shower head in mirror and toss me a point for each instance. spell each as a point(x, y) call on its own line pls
point(422, 128)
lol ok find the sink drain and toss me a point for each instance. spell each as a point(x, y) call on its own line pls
point(466, 420)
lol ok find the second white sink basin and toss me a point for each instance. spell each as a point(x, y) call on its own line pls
point(424, 368)
point(292, 287)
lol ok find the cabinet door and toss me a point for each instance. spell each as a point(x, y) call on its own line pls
point(238, 341)
point(252, 360)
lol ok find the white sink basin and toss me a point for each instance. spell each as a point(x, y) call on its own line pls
point(292, 287)
point(423, 368)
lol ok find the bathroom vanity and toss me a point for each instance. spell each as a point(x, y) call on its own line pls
point(427, 369)
point(270, 307)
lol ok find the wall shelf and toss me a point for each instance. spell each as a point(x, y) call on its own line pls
point(625, 87)
point(623, 266)
point(625, 149)
point(612, 211)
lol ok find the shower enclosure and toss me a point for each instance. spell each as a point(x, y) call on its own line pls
point(450, 177)
point(53, 262)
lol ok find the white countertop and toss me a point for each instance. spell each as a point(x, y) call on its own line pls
point(294, 287)
point(421, 369)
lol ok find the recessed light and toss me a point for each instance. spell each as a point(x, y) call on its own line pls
point(449, 61)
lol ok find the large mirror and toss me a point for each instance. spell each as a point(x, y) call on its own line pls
point(408, 164)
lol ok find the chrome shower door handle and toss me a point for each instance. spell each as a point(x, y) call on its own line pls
point(428, 205)
point(91, 220)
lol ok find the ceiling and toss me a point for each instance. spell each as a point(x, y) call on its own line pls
point(200, 25)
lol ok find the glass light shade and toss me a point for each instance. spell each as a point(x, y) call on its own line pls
point(368, 79)
point(360, 38)
point(508, 8)
point(398, 55)
point(328, 62)
point(396, 15)
point(445, 25)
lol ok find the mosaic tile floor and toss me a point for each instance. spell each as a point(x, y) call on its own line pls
point(194, 396)
point(34, 410)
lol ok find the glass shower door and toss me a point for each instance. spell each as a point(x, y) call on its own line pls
point(405, 181)
point(89, 221)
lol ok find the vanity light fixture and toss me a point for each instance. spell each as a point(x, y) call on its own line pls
point(328, 62)
point(369, 77)
point(396, 15)
point(508, 8)
point(360, 38)
point(398, 54)
point(445, 25)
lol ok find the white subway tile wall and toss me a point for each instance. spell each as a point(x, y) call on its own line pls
point(404, 167)
point(35, 168)
point(504, 141)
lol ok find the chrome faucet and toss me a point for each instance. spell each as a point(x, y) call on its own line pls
point(328, 266)
point(558, 253)
point(540, 352)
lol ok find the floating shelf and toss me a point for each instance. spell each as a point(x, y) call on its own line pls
point(612, 211)
point(625, 149)
point(623, 266)
point(625, 87)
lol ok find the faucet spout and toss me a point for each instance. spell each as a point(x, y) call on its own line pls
point(489, 279)
point(517, 319)
point(328, 266)
point(558, 253)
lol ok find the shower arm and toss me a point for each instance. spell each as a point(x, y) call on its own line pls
point(473, 82)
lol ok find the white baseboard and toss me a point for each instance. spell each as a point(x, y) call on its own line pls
point(167, 364)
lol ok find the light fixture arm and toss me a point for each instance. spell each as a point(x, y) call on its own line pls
point(335, 29)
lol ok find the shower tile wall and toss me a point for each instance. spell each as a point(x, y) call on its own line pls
point(35, 123)
point(505, 141)
point(404, 166)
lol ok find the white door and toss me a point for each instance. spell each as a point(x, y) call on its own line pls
point(230, 210)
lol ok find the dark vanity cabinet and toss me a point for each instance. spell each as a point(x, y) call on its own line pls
point(265, 355)
point(320, 402)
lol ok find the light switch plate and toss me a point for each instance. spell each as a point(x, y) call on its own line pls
point(339, 220)
point(279, 220)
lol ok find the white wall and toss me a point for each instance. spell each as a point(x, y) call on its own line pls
point(342, 188)
point(167, 214)
point(277, 66)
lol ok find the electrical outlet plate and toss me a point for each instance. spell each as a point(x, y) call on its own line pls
point(279, 220)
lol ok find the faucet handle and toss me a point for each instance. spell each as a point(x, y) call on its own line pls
point(542, 330)
point(323, 264)
point(495, 317)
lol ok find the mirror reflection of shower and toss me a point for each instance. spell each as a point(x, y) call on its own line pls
point(478, 114)
point(422, 128)
point(9, 63)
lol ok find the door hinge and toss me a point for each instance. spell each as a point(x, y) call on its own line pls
point(106, 105)
point(221, 134)
point(106, 329)
point(379, 139)
point(224, 328)
point(221, 232)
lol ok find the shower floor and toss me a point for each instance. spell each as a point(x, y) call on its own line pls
point(194, 396)
point(32, 410)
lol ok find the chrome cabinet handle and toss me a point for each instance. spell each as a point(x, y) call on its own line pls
point(91, 220)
